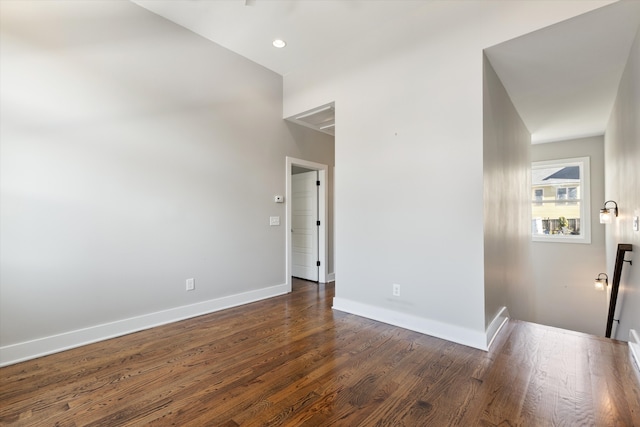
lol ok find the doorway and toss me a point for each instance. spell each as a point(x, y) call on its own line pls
point(306, 220)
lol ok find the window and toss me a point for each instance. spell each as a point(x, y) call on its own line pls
point(561, 193)
point(566, 193)
point(560, 204)
point(537, 194)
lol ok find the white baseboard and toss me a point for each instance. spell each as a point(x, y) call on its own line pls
point(496, 325)
point(331, 277)
point(634, 346)
point(457, 334)
point(27, 350)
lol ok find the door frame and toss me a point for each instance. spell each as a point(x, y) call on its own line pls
point(323, 214)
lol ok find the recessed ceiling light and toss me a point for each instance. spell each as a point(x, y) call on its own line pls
point(279, 43)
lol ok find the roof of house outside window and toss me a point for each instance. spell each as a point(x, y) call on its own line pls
point(555, 175)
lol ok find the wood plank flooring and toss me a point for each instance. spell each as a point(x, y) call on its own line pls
point(292, 361)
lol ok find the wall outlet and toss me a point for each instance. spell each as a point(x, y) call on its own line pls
point(274, 220)
point(191, 284)
point(396, 290)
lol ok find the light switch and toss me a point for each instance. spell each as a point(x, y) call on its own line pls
point(636, 223)
point(274, 220)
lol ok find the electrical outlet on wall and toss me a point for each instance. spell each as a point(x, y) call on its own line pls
point(191, 284)
point(396, 290)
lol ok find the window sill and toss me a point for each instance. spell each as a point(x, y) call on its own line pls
point(584, 240)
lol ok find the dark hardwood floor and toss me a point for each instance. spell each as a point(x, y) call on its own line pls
point(293, 361)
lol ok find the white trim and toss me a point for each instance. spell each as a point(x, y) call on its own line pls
point(331, 277)
point(322, 127)
point(457, 334)
point(496, 325)
point(316, 111)
point(634, 346)
point(323, 236)
point(27, 350)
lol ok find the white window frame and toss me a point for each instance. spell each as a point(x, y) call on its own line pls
point(585, 201)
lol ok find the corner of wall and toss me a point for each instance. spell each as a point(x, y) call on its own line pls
point(496, 325)
point(506, 165)
point(453, 333)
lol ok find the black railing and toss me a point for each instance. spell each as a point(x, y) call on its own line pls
point(617, 272)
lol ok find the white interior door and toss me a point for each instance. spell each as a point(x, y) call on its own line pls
point(304, 228)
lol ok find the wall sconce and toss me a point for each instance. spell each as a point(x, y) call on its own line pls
point(601, 283)
point(606, 214)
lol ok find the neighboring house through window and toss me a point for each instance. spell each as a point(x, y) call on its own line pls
point(560, 203)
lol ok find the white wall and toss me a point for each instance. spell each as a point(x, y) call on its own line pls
point(622, 184)
point(507, 277)
point(409, 168)
point(563, 273)
point(135, 155)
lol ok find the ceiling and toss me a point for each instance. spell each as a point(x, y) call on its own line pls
point(311, 28)
point(562, 79)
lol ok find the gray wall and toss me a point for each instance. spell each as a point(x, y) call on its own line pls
point(622, 184)
point(135, 155)
point(409, 168)
point(507, 278)
point(563, 273)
